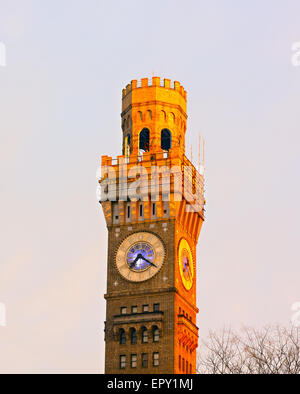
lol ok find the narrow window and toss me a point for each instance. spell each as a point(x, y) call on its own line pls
point(179, 363)
point(145, 308)
point(155, 334)
point(128, 212)
point(122, 337)
point(141, 210)
point(134, 309)
point(145, 360)
point(127, 145)
point(116, 213)
point(133, 336)
point(156, 308)
point(122, 362)
point(145, 337)
point(166, 208)
point(123, 310)
point(154, 209)
point(133, 360)
point(155, 359)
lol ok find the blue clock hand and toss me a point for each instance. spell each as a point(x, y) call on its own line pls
point(134, 262)
point(149, 262)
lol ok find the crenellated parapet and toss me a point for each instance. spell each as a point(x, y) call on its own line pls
point(155, 82)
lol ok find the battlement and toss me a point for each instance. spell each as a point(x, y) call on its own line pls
point(155, 82)
point(174, 156)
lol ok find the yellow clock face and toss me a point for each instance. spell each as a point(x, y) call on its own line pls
point(140, 256)
point(186, 264)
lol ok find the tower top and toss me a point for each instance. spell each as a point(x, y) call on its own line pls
point(157, 90)
point(153, 116)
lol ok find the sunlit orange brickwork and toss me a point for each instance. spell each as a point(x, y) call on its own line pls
point(156, 107)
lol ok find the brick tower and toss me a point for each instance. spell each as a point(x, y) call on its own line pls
point(152, 236)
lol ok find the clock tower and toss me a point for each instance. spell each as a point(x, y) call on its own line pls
point(152, 199)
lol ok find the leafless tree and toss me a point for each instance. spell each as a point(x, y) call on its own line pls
point(271, 350)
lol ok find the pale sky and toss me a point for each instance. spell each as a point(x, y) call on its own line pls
point(60, 104)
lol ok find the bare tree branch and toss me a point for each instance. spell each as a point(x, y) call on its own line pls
point(271, 350)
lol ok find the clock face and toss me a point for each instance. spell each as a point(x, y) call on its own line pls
point(186, 264)
point(140, 256)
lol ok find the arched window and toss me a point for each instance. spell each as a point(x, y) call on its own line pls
point(122, 337)
point(145, 337)
point(171, 117)
point(155, 332)
point(149, 115)
point(127, 145)
point(144, 140)
point(166, 139)
point(180, 123)
point(133, 336)
point(163, 116)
